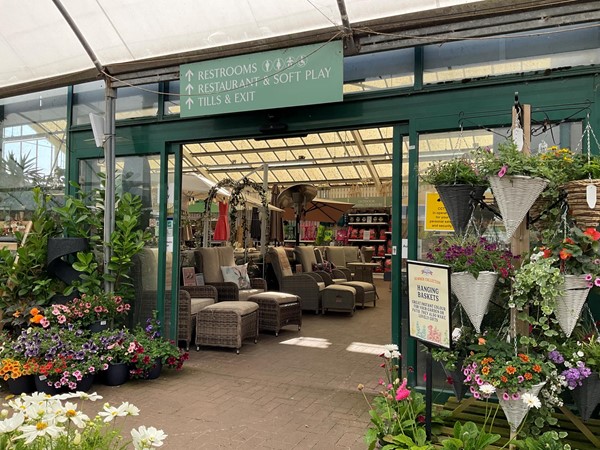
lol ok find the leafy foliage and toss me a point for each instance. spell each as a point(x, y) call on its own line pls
point(469, 437)
point(453, 171)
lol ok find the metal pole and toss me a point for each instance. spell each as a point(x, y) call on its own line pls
point(109, 192)
point(265, 211)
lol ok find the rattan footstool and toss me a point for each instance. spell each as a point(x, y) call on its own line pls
point(276, 310)
point(339, 297)
point(227, 324)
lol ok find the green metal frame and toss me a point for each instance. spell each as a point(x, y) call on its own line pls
point(414, 111)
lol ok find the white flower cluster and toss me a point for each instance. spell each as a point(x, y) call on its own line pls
point(391, 351)
point(551, 393)
point(40, 420)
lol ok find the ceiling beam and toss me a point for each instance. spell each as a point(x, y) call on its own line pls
point(363, 151)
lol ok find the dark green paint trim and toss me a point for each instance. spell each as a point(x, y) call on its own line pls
point(162, 235)
point(175, 269)
point(419, 68)
point(396, 231)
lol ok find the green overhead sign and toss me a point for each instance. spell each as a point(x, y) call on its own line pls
point(279, 78)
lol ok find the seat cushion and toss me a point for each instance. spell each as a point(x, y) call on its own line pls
point(280, 262)
point(305, 255)
point(363, 284)
point(240, 307)
point(280, 297)
point(336, 255)
point(245, 293)
point(198, 304)
point(213, 258)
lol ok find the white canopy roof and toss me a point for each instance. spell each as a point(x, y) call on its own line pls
point(38, 45)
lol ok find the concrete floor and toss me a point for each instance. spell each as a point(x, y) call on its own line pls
point(271, 395)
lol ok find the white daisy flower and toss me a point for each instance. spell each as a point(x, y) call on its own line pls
point(110, 412)
point(71, 414)
point(146, 438)
point(128, 409)
point(487, 389)
point(11, 424)
point(91, 397)
point(38, 429)
point(391, 347)
point(532, 401)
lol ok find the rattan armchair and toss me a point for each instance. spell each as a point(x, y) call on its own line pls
point(307, 286)
point(209, 261)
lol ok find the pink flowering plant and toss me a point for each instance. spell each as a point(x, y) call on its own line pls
point(397, 412)
point(97, 307)
point(507, 160)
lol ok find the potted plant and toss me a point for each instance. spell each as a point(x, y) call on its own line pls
point(516, 378)
point(117, 348)
point(460, 186)
point(18, 374)
point(584, 375)
point(476, 265)
point(516, 181)
point(98, 311)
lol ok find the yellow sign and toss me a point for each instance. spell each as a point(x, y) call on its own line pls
point(436, 217)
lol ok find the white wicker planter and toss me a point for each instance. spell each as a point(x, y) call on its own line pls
point(516, 410)
point(569, 305)
point(474, 293)
point(515, 196)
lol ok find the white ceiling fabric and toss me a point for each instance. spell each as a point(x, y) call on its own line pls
point(36, 42)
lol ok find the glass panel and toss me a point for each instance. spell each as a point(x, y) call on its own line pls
point(523, 52)
point(138, 101)
point(140, 175)
point(88, 98)
point(32, 153)
point(375, 71)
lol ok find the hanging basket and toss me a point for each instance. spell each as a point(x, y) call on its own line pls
point(459, 201)
point(457, 377)
point(568, 305)
point(579, 210)
point(516, 410)
point(474, 293)
point(515, 195)
point(587, 396)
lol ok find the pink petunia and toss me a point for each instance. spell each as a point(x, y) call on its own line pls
point(516, 396)
point(588, 277)
point(98, 309)
point(597, 281)
point(505, 396)
point(502, 171)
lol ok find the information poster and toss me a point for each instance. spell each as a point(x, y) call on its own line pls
point(429, 314)
point(436, 216)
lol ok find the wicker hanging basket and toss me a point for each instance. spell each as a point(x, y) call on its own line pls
point(568, 305)
point(515, 195)
point(459, 201)
point(457, 380)
point(516, 410)
point(587, 396)
point(474, 293)
point(579, 211)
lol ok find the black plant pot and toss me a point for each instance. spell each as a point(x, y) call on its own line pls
point(154, 373)
point(458, 385)
point(116, 374)
point(23, 385)
point(459, 201)
point(64, 246)
point(41, 385)
point(587, 396)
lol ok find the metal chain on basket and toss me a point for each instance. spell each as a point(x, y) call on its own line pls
point(589, 311)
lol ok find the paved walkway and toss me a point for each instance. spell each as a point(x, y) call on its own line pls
point(271, 395)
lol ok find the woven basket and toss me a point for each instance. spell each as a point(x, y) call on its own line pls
point(516, 410)
point(580, 212)
point(474, 294)
point(459, 201)
point(568, 305)
point(587, 396)
point(515, 195)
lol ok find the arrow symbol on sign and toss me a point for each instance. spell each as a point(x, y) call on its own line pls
point(189, 102)
point(189, 88)
point(189, 74)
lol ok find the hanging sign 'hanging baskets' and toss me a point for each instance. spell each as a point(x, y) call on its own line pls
point(459, 201)
point(474, 293)
point(569, 304)
point(579, 209)
point(515, 409)
point(515, 195)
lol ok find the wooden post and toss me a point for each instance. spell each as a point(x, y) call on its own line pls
point(519, 244)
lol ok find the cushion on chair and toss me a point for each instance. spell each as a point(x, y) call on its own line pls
point(305, 255)
point(237, 275)
point(337, 255)
point(352, 254)
point(198, 304)
point(213, 259)
point(280, 262)
point(280, 297)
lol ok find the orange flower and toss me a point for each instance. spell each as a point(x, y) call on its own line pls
point(524, 357)
point(537, 368)
point(36, 319)
point(34, 311)
point(503, 379)
point(511, 370)
point(485, 370)
point(487, 360)
point(592, 233)
point(565, 254)
point(568, 241)
point(547, 252)
point(17, 313)
point(528, 376)
point(481, 341)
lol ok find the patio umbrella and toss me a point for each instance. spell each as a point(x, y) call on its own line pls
point(276, 218)
point(321, 210)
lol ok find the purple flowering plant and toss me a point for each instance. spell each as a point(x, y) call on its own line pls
point(472, 254)
point(570, 361)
